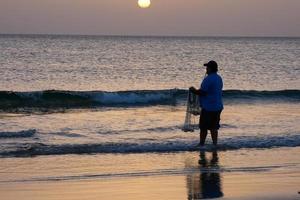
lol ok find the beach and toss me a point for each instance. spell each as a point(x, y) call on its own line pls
point(101, 117)
point(243, 174)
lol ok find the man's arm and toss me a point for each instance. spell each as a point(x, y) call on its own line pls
point(198, 92)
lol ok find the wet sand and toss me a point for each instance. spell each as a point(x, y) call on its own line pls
point(243, 174)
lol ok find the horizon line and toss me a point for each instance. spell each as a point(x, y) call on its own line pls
point(137, 35)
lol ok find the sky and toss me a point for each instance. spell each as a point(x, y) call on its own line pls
point(164, 17)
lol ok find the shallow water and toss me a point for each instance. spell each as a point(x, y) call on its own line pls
point(145, 129)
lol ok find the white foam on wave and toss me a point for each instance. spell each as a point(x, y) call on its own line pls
point(226, 144)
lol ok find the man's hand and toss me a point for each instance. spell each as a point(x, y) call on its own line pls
point(197, 92)
point(192, 89)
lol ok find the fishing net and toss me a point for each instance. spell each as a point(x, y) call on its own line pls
point(192, 111)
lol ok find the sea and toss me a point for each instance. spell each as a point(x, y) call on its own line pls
point(68, 95)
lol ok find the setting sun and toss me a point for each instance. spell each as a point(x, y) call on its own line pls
point(144, 3)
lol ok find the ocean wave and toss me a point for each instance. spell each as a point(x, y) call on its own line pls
point(226, 144)
point(86, 99)
point(159, 129)
point(18, 134)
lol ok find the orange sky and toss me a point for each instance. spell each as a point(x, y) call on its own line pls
point(165, 17)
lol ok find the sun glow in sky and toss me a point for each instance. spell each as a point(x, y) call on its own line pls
point(144, 3)
point(167, 17)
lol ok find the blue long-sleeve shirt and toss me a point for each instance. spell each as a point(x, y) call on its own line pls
point(212, 85)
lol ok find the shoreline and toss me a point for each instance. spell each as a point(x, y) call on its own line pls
point(241, 174)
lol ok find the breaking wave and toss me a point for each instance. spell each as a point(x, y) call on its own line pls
point(86, 99)
point(18, 134)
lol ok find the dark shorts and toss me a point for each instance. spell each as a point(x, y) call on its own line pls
point(209, 120)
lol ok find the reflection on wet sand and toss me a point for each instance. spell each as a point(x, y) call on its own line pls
point(207, 182)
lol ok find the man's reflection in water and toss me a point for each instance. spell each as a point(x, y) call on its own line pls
point(207, 183)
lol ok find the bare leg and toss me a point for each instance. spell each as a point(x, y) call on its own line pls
point(203, 134)
point(214, 136)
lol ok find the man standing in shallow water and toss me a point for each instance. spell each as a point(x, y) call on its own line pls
point(210, 93)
